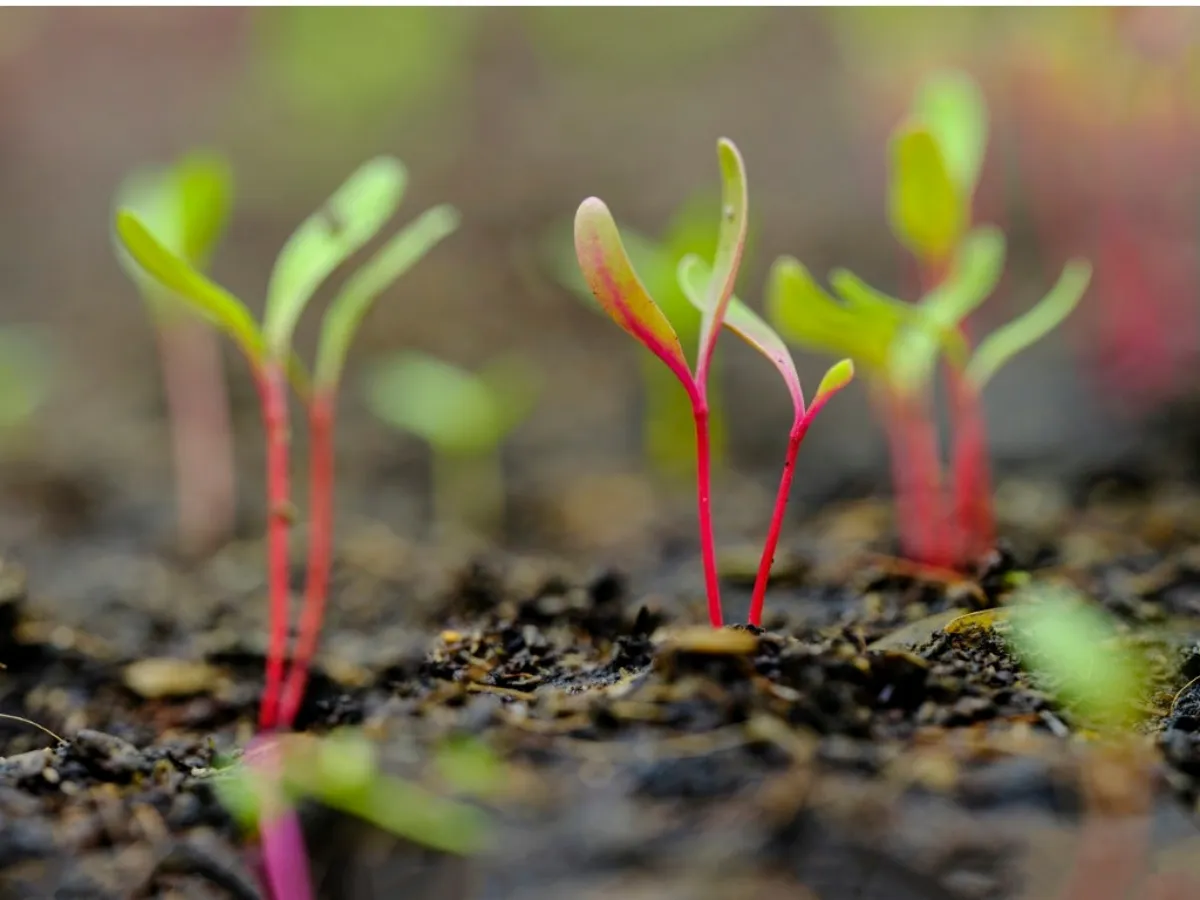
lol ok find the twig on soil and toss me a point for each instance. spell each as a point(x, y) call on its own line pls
point(25, 721)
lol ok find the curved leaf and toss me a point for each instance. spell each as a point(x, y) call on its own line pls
point(351, 305)
point(1005, 342)
point(207, 299)
point(205, 185)
point(694, 278)
point(615, 285)
point(839, 375)
point(952, 106)
point(326, 239)
point(731, 242)
point(927, 209)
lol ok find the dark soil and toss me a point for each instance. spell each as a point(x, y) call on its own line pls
point(853, 749)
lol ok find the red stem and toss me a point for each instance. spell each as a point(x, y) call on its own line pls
point(272, 385)
point(795, 438)
point(198, 413)
point(704, 509)
point(320, 551)
point(917, 469)
point(972, 490)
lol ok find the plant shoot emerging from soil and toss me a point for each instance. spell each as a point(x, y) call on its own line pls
point(347, 221)
point(464, 418)
point(936, 157)
point(613, 281)
point(186, 206)
point(694, 277)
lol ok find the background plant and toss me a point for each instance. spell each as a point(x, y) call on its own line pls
point(465, 419)
point(186, 206)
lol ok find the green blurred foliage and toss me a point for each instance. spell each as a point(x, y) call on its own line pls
point(27, 363)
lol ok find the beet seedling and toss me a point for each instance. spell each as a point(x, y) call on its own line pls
point(186, 207)
point(347, 221)
point(464, 418)
point(694, 276)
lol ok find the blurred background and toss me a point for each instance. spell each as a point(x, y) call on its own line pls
point(514, 116)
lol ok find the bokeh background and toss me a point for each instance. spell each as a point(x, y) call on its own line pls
point(514, 116)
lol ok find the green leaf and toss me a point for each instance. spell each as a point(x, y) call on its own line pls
point(928, 211)
point(205, 185)
point(694, 277)
point(978, 265)
point(452, 410)
point(615, 285)
point(27, 359)
point(731, 241)
point(1005, 342)
point(514, 384)
point(210, 301)
point(839, 375)
point(326, 239)
point(1073, 646)
point(952, 106)
point(351, 305)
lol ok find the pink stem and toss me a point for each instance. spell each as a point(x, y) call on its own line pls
point(972, 492)
point(273, 390)
point(795, 439)
point(201, 437)
point(320, 550)
point(920, 481)
point(704, 509)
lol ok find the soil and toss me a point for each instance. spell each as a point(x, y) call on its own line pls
point(852, 749)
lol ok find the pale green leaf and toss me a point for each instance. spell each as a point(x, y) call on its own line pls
point(452, 410)
point(952, 106)
point(351, 305)
point(209, 300)
point(514, 384)
point(348, 220)
point(27, 360)
point(839, 375)
point(731, 242)
point(205, 185)
point(928, 211)
point(1005, 342)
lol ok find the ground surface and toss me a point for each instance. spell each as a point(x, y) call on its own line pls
point(853, 748)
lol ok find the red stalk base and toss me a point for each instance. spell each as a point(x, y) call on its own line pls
point(704, 511)
point(320, 552)
point(272, 385)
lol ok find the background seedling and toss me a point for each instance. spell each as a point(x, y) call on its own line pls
point(667, 416)
point(694, 277)
point(615, 284)
point(186, 206)
point(27, 363)
point(348, 220)
point(464, 418)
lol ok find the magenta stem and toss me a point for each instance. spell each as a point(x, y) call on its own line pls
point(795, 439)
point(704, 510)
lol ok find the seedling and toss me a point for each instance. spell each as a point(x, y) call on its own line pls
point(464, 418)
point(186, 206)
point(342, 772)
point(347, 221)
point(667, 417)
point(694, 278)
point(936, 159)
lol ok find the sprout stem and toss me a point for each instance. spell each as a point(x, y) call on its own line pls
point(201, 438)
point(272, 385)
point(704, 509)
point(971, 476)
point(795, 439)
point(320, 551)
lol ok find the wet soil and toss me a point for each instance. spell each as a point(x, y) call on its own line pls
point(854, 748)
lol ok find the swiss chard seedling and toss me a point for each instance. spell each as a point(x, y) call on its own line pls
point(347, 221)
point(185, 206)
point(464, 418)
point(694, 277)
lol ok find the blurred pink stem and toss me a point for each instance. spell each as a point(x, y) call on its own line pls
point(201, 436)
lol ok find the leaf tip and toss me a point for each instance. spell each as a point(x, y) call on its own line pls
point(839, 375)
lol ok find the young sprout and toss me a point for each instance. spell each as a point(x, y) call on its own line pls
point(186, 207)
point(464, 418)
point(694, 277)
point(667, 416)
point(897, 346)
point(347, 221)
point(613, 281)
